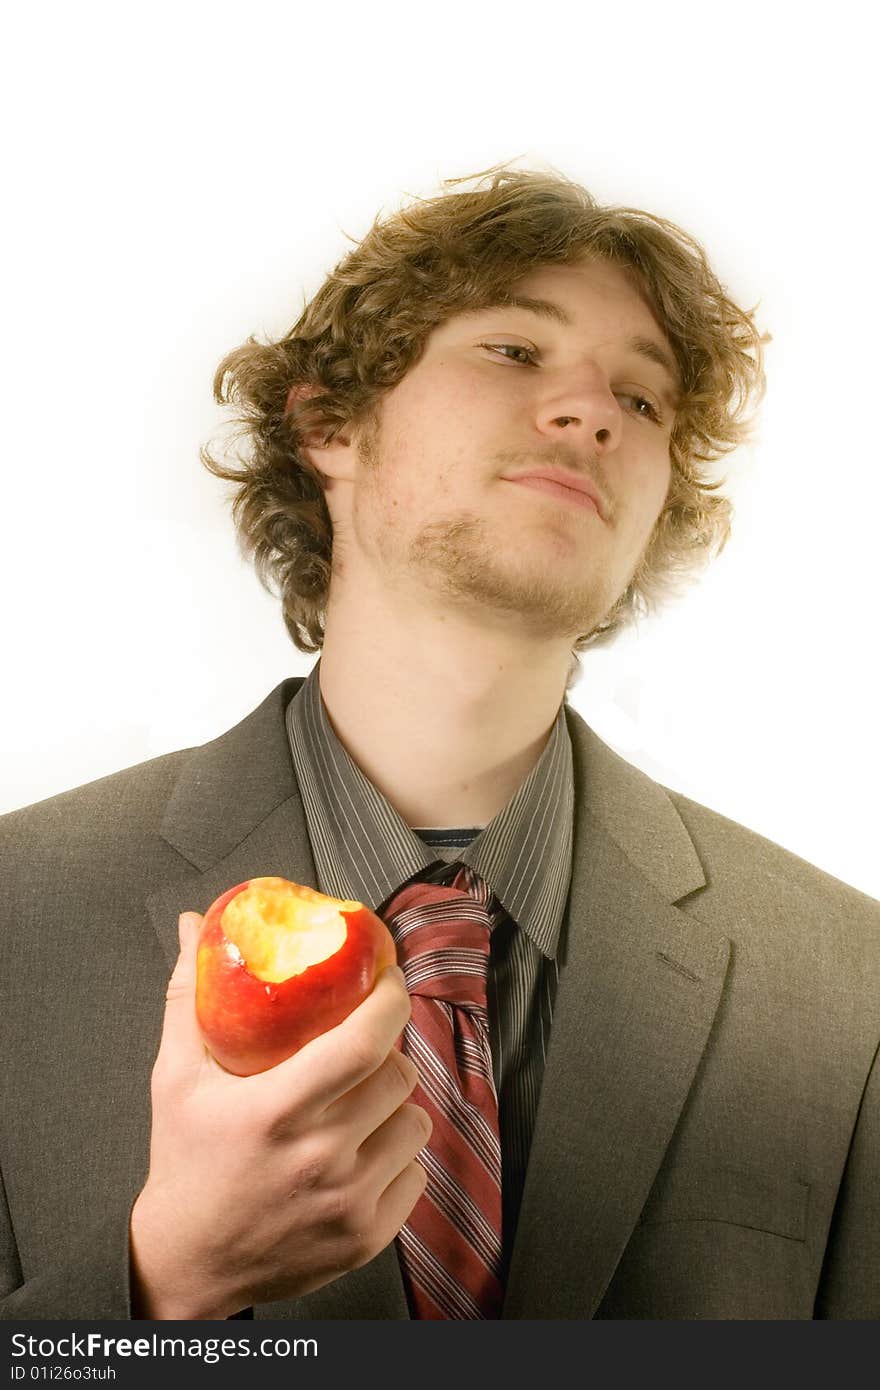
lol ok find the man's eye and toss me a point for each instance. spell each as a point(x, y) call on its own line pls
point(653, 412)
point(511, 347)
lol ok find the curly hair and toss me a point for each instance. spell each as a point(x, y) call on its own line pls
point(368, 325)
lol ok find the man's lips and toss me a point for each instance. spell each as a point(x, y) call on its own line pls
point(575, 496)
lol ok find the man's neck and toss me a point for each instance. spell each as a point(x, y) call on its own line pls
point(447, 743)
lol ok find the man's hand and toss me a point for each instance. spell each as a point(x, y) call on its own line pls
point(269, 1186)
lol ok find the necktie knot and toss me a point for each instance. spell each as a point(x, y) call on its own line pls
point(442, 936)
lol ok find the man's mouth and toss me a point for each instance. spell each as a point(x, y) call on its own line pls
point(573, 496)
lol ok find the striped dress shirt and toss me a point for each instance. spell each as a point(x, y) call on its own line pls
point(364, 850)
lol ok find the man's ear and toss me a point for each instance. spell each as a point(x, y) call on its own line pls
point(330, 459)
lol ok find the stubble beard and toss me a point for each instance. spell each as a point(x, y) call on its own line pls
point(463, 558)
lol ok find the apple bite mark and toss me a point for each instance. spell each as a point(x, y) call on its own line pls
point(279, 933)
point(278, 963)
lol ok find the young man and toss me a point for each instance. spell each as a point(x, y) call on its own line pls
point(480, 451)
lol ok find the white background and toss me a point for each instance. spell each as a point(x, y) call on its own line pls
point(180, 176)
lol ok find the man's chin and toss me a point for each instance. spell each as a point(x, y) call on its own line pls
point(545, 611)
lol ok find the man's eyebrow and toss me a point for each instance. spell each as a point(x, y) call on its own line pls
point(645, 347)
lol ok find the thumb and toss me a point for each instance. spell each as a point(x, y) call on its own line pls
point(188, 927)
point(181, 1036)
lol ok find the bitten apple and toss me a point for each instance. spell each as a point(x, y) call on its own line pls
point(279, 963)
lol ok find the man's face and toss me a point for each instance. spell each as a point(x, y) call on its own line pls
point(430, 506)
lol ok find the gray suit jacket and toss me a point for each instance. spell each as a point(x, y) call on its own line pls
point(707, 1143)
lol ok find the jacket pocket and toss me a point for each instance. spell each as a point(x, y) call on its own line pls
point(761, 1201)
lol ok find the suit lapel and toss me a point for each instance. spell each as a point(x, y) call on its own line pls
point(235, 813)
point(639, 986)
point(640, 982)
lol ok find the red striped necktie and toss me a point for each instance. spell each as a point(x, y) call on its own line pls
point(450, 1247)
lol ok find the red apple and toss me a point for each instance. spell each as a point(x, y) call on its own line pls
point(279, 963)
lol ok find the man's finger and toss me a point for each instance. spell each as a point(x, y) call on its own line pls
point(181, 1037)
point(336, 1061)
